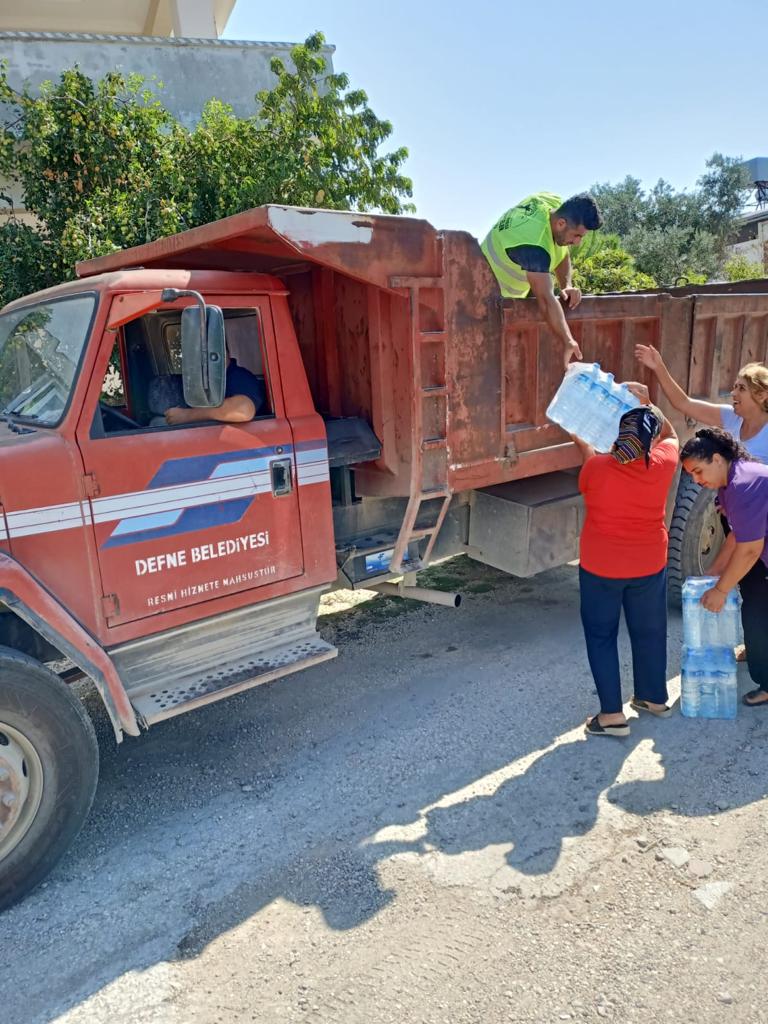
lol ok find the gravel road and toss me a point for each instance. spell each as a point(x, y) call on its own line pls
point(416, 832)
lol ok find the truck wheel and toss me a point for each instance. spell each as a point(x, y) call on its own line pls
point(49, 766)
point(695, 535)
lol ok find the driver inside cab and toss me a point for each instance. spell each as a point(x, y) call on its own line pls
point(244, 396)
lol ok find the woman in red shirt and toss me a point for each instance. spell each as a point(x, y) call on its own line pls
point(623, 560)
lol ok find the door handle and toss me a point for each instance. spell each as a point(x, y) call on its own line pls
point(282, 477)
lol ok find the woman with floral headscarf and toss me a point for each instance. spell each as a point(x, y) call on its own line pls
point(623, 559)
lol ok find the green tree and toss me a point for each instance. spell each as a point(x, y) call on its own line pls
point(674, 234)
point(722, 192)
point(674, 253)
point(739, 268)
point(314, 142)
point(622, 205)
point(605, 266)
point(103, 165)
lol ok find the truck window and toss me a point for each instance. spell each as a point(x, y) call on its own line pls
point(150, 380)
point(40, 351)
point(244, 344)
point(113, 388)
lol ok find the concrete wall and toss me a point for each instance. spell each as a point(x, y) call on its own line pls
point(751, 250)
point(192, 70)
point(755, 249)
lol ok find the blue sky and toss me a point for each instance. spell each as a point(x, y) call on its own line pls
point(495, 101)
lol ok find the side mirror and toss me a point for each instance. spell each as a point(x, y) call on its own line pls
point(203, 356)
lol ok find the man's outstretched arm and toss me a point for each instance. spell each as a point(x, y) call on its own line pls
point(552, 311)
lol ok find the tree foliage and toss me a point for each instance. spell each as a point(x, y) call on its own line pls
point(605, 266)
point(739, 268)
point(674, 235)
point(104, 165)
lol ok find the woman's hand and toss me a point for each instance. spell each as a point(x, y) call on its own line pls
point(713, 599)
point(650, 357)
point(640, 391)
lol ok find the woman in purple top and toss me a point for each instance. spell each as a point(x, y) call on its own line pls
point(715, 459)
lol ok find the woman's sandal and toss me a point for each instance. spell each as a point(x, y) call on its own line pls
point(643, 705)
point(755, 703)
point(593, 728)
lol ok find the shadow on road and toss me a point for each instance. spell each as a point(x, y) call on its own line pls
point(282, 792)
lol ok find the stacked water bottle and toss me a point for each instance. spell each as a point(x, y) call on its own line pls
point(589, 403)
point(709, 664)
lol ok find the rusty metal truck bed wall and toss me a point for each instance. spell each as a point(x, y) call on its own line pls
point(728, 332)
point(362, 288)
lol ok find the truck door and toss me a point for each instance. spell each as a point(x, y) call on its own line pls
point(186, 514)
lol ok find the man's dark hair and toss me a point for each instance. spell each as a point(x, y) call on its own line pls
point(581, 211)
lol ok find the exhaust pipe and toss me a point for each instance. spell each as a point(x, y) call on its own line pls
point(418, 594)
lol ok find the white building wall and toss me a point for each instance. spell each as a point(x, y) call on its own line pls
point(756, 249)
point(192, 70)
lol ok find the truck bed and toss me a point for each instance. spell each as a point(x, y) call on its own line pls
point(403, 326)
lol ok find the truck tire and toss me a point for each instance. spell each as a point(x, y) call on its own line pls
point(695, 535)
point(49, 766)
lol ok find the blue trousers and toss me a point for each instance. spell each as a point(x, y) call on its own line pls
point(644, 600)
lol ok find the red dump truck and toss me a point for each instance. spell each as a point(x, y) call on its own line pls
point(404, 421)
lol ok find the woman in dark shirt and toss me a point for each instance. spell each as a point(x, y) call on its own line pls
point(715, 459)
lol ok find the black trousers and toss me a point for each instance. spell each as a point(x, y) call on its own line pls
point(754, 619)
point(644, 600)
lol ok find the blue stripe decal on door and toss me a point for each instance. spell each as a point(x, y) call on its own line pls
point(223, 513)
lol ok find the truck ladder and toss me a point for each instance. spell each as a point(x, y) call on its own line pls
point(429, 417)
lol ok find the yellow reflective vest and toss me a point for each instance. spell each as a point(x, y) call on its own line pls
point(525, 224)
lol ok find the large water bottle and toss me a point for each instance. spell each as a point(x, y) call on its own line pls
point(691, 622)
point(593, 423)
point(582, 391)
point(711, 626)
point(693, 611)
point(730, 618)
point(570, 407)
point(614, 410)
point(593, 426)
point(615, 400)
point(700, 627)
point(713, 629)
point(708, 684)
point(727, 685)
point(692, 673)
point(709, 664)
point(589, 404)
point(559, 409)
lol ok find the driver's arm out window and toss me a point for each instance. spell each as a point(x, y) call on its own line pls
point(245, 344)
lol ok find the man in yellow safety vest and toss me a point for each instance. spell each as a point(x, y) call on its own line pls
point(530, 243)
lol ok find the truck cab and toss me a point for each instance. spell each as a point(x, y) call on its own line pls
point(157, 518)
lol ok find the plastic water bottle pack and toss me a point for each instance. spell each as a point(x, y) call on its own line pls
point(589, 403)
point(709, 684)
point(709, 629)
